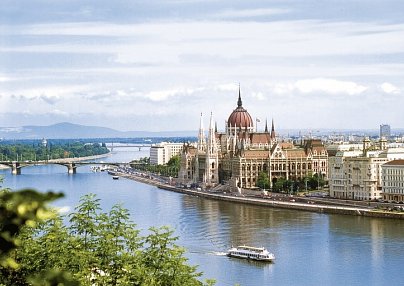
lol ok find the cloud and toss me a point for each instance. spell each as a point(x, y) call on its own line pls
point(161, 95)
point(4, 79)
point(226, 87)
point(329, 86)
point(49, 99)
point(315, 85)
point(389, 88)
point(248, 13)
point(59, 113)
point(258, 95)
point(63, 209)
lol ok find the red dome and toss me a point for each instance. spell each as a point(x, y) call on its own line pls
point(240, 117)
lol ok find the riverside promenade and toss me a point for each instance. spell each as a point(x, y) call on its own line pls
point(266, 202)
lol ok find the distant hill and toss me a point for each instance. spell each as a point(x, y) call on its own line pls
point(67, 130)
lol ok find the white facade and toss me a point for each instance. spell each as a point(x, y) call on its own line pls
point(358, 175)
point(393, 181)
point(336, 174)
point(161, 153)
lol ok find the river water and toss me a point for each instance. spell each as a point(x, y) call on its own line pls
point(310, 248)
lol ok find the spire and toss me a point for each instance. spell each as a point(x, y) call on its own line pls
point(216, 126)
point(212, 148)
point(201, 135)
point(273, 130)
point(239, 102)
point(266, 126)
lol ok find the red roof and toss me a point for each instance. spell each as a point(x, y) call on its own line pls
point(240, 117)
point(395, 163)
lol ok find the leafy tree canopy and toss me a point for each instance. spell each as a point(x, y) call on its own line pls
point(95, 248)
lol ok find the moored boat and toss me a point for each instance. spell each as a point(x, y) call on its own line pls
point(249, 252)
point(115, 177)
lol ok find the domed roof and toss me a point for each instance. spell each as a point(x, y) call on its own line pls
point(240, 117)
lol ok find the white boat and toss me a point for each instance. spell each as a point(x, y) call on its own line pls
point(249, 252)
point(115, 177)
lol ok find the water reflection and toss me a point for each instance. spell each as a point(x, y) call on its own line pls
point(310, 248)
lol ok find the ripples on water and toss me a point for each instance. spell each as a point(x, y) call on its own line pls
point(310, 248)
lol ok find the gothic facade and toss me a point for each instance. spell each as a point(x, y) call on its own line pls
point(238, 155)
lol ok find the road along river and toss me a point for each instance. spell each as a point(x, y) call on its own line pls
point(311, 248)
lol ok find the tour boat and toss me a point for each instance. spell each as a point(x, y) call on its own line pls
point(249, 252)
point(115, 177)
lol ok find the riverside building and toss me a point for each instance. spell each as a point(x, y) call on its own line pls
point(238, 155)
point(357, 174)
point(393, 181)
point(162, 152)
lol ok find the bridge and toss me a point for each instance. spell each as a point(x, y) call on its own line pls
point(71, 165)
point(111, 146)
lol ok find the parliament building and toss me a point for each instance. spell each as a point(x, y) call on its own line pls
point(238, 155)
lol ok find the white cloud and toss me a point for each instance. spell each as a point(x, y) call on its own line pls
point(250, 13)
point(4, 79)
point(258, 95)
point(282, 88)
point(118, 70)
point(63, 209)
point(226, 87)
point(161, 95)
point(389, 88)
point(59, 112)
point(329, 86)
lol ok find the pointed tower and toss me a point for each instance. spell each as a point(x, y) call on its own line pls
point(212, 157)
point(240, 117)
point(273, 135)
point(201, 136)
point(212, 146)
point(266, 126)
point(239, 102)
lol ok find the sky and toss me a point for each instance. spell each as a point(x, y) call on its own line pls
point(158, 64)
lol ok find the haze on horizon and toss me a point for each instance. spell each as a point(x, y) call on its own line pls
point(156, 65)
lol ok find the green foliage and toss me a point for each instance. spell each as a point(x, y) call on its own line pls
point(37, 152)
point(263, 180)
point(174, 161)
point(169, 170)
point(19, 209)
point(96, 248)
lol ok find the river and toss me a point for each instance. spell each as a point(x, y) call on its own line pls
point(310, 248)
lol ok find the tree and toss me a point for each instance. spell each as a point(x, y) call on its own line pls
point(21, 212)
point(96, 248)
point(263, 180)
point(315, 181)
point(174, 161)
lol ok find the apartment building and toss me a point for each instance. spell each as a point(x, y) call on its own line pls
point(162, 152)
point(393, 181)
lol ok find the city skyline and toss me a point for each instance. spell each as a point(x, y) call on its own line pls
point(156, 65)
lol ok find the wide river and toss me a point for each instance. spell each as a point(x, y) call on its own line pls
point(310, 248)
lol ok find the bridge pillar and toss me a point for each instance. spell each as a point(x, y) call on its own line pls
point(71, 168)
point(15, 168)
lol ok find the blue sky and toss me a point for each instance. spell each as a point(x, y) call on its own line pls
point(156, 65)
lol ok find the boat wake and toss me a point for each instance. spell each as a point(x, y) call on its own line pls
point(217, 253)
